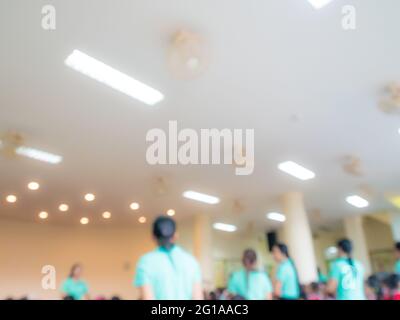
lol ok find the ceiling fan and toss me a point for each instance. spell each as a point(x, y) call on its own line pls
point(12, 144)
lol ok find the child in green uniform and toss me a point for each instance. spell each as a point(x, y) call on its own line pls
point(250, 283)
point(346, 278)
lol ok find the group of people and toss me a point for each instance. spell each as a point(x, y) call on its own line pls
point(171, 273)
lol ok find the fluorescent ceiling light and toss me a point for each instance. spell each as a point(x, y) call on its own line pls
point(296, 170)
point(117, 80)
point(276, 216)
point(318, 4)
point(357, 201)
point(200, 197)
point(224, 227)
point(38, 155)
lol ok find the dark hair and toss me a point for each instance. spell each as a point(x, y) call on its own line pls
point(392, 281)
point(285, 251)
point(73, 268)
point(314, 286)
point(347, 247)
point(375, 284)
point(250, 256)
point(397, 246)
point(163, 230)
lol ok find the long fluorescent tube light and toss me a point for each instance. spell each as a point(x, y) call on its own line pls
point(296, 170)
point(357, 201)
point(275, 216)
point(224, 227)
point(318, 4)
point(193, 195)
point(38, 155)
point(117, 80)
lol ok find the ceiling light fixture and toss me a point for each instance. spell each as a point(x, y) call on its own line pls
point(90, 197)
point(142, 219)
point(224, 227)
point(11, 198)
point(357, 201)
point(84, 220)
point(115, 79)
point(33, 186)
point(134, 206)
point(318, 4)
point(171, 212)
point(275, 216)
point(296, 170)
point(43, 215)
point(193, 195)
point(38, 155)
point(63, 207)
point(106, 215)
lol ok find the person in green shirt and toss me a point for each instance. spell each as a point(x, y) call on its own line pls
point(250, 283)
point(168, 272)
point(74, 287)
point(397, 265)
point(286, 285)
point(346, 278)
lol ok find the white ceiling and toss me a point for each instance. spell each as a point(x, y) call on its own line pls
point(270, 61)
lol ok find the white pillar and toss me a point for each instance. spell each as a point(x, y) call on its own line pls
point(298, 237)
point(202, 248)
point(395, 225)
point(355, 232)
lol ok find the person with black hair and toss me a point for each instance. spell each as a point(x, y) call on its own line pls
point(169, 272)
point(250, 283)
point(74, 287)
point(286, 284)
point(346, 278)
point(397, 253)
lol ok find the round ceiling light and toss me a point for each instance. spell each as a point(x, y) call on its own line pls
point(134, 206)
point(90, 197)
point(33, 186)
point(11, 198)
point(84, 220)
point(43, 215)
point(106, 215)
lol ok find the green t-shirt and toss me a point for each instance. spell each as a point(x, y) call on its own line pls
point(170, 273)
point(76, 289)
point(350, 279)
point(397, 267)
point(253, 285)
point(287, 276)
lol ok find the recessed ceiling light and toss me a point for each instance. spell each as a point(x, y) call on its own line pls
point(43, 215)
point(106, 215)
point(11, 198)
point(84, 220)
point(318, 4)
point(63, 207)
point(398, 131)
point(134, 206)
point(103, 73)
point(33, 186)
point(276, 216)
point(224, 227)
point(90, 197)
point(142, 219)
point(38, 155)
point(296, 170)
point(171, 212)
point(357, 201)
point(193, 195)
